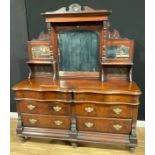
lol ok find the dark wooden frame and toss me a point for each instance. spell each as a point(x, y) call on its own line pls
point(90, 26)
point(87, 19)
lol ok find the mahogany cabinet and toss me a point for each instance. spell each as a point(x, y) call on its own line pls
point(79, 86)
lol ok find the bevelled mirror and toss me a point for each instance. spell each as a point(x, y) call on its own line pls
point(79, 51)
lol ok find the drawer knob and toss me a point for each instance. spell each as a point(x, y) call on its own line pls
point(117, 111)
point(89, 109)
point(33, 121)
point(117, 126)
point(57, 108)
point(31, 107)
point(58, 123)
point(89, 124)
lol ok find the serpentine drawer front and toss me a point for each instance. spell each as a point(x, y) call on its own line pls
point(103, 110)
point(109, 125)
point(49, 96)
point(36, 107)
point(46, 121)
point(101, 98)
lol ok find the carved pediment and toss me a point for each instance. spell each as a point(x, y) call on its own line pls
point(74, 8)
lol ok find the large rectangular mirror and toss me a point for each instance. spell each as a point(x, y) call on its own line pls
point(79, 51)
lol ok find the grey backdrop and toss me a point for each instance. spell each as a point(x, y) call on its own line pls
point(26, 23)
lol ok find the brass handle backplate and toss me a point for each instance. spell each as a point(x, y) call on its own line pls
point(117, 111)
point(31, 107)
point(33, 121)
point(57, 108)
point(89, 124)
point(58, 122)
point(117, 126)
point(89, 109)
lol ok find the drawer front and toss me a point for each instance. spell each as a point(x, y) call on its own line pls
point(33, 107)
point(92, 97)
point(66, 96)
point(103, 110)
point(46, 121)
point(121, 126)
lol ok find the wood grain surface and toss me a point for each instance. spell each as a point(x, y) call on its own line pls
point(79, 86)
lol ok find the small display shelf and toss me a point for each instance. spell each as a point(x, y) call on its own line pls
point(41, 69)
point(117, 61)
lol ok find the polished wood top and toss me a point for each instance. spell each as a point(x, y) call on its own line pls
point(79, 86)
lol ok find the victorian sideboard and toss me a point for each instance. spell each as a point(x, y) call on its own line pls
point(79, 86)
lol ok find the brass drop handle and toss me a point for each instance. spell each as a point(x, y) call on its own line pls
point(117, 127)
point(31, 107)
point(89, 124)
point(117, 111)
point(58, 122)
point(57, 108)
point(33, 121)
point(89, 109)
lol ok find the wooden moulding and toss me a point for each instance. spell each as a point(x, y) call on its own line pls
point(75, 101)
point(76, 13)
point(41, 85)
point(81, 136)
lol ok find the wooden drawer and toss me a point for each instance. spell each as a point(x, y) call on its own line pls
point(48, 95)
point(100, 98)
point(121, 126)
point(46, 121)
point(103, 110)
point(34, 107)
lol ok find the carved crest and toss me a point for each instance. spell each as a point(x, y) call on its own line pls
point(73, 8)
